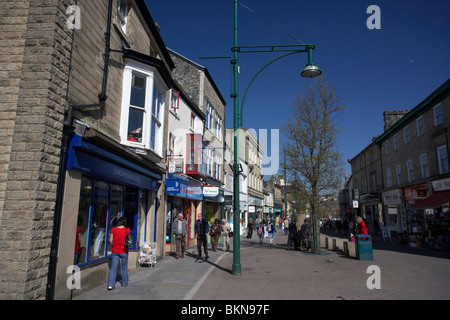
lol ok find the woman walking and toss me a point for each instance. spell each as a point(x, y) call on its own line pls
point(226, 228)
point(216, 231)
point(119, 251)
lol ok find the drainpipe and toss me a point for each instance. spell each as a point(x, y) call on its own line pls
point(68, 129)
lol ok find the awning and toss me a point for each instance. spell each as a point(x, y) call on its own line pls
point(434, 201)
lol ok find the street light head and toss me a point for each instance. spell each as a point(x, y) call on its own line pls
point(311, 71)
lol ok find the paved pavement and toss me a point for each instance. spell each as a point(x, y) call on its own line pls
point(274, 273)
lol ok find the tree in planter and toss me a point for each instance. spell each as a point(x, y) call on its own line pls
point(311, 149)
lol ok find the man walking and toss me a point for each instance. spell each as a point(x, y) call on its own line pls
point(180, 230)
point(201, 229)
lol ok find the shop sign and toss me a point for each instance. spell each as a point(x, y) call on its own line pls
point(392, 197)
point(176, 166)
point(441, 185)
point(251, 209)
point(210, 191)
point(173, 186)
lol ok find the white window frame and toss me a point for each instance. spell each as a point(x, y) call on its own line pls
point(218, 127)
point(410, 170)
point(396, 141)
point(389, 177)
point(386, 147)
point(209, 115)
point(406, 134)
point(442, 159)
point(424, 166)
point(398, 172)
point(154, 84)
point(438, 116)
point(420, 126)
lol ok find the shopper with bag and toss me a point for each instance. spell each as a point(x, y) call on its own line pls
point(119, 252)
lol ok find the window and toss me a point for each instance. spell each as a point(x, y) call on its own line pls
point(398, 170)
point(438, 116)
point(192, 123)
point(386, 147)
point(424, 165)
point(171, 148)
point(209, 160)
point(420, 126)
point(142, 115)
point(209, 116)
point(406, 134)
point(122, 13)
point(175, 101)
point(218, 131)
point(396, 141)
point(100, 205)
point(443, 159)
point(217, 166)
point(389, 178)
point(410, 169)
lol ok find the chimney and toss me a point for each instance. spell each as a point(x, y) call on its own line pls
point(391, 117)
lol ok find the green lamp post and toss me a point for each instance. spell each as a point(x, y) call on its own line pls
point(309, 71)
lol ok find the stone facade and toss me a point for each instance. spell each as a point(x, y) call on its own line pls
point(34, 68)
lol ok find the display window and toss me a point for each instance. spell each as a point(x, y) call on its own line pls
point(100, 205)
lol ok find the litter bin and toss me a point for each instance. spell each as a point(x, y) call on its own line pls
point(364, 250)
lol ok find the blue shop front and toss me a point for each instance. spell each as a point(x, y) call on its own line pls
point(184, 195)
point(103, 184)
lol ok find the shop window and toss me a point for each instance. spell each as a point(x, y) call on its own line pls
point(100, 206)
point(82, 229)
point(99, 217)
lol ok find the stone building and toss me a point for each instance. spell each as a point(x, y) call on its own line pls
point(202, 90)
point(85, 95)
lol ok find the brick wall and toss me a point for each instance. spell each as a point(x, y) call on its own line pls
point(35, 55)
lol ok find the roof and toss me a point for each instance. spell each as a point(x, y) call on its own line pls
point(438, 95)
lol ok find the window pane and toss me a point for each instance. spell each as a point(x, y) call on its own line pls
point(135, 123)
point(116, 209)
point(98, 221)
point(82, 232)
point(138, 91)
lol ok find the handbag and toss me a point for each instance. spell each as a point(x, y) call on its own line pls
point(230, 234)
point(128, 240)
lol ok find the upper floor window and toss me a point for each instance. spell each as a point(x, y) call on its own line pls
point(122, 13)
point(398, 170)
point(218, 127)
point(142, 115)
point(438, 116)
point(386, 147)
point(396, 141)
point(443, 159)
point(410, 169)
point(424, 165)
point(406, 134)
point(420, 126)
point(209, 116)
point(192, 123)
point(389, 178)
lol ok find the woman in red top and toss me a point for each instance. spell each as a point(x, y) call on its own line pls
point(361, 227)
point(119, 251)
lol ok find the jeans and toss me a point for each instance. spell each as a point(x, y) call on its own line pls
point(113, 273)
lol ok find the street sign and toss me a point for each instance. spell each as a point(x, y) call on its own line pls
point(173, 186)
point(355, 204)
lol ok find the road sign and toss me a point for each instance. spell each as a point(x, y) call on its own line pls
point(355, 204)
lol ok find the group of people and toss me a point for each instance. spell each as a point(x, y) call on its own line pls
point(261, 228)
point(201, 229)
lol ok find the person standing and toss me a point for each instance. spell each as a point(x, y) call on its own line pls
point(226, 228)
point(250, 225)
point(201, 229)
point(216, 231)
point(270, 231)
point(260, 233)
point(292, 235)
point(119, 251)
point(286, 226)
point(180, 230)
point(361, 226)
point(305, 234)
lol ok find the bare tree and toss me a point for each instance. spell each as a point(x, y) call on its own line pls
point(311, 150)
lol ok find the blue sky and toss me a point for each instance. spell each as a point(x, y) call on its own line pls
point(393, 68)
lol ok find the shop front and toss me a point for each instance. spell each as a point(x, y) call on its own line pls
point(184, 195)
point(371, 209)
point(394, 210)
point(435, 229)
point(415, 217)
point(100, 187)
point(255, 209)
